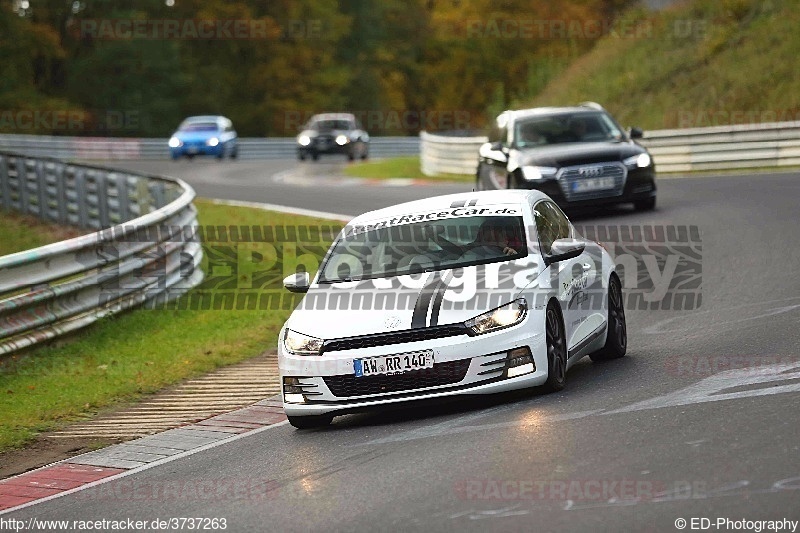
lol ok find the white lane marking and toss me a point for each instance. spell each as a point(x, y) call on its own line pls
point(658, 327)
point(142, 468)
point(284, 209)
point(292, 176)
point(710, 389)
point(479, 514)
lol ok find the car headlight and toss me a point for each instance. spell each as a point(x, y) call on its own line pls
point(299, 344)
point(502, 317)
point(213, 141)
point(304, 140)
point(531, 173)
point(341, 140)
point(174, 142)
point(638, 161)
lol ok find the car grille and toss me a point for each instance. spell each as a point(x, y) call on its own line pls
point(568, 176)
point(395, 337)
point(441, 374)
point(324, 141)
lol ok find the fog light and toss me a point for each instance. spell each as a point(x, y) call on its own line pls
point(293, 398)
point(520, 361)
point(519, 370)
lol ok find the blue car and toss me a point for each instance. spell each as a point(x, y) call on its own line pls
point(204, 135)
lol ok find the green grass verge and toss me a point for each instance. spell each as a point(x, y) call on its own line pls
point(123, 357)
point(399, 167)
point(700, 63)
point(22, 232)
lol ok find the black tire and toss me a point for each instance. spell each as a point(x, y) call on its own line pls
point(301, 156)
point(351, 155)
point(311, 421)
point(617, 337)
point(235, 153)
point(556, 349)
point(645, 205)
point(364, 153)
point(314, 156)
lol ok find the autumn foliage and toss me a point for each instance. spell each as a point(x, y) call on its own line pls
point(136, 68)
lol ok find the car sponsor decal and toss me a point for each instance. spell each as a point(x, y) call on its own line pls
point(462, 203)
point(453, 212)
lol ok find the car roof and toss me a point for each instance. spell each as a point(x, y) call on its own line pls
point(204, 118)
point(543, 111)
point(334, 116)
point(474, 199)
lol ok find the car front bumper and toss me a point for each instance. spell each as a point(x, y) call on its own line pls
point(321, 373)
point(640, 185)
point(197, 149)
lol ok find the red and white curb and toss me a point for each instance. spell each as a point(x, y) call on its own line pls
point(113, 462)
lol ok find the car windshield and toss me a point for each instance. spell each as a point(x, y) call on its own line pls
point(565, 128)
point(199, 126)
point(328, 125)
point(424, 246)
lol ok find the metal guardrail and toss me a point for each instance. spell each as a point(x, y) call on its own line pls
point(684, 150)
point(441, 154)
point(96, 148)
point(141, 253)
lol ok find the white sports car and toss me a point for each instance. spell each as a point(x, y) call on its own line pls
point(472, 293)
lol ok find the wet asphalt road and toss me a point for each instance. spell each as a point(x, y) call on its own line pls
point(700, 420)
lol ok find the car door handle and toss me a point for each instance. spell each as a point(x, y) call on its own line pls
point(586, 266)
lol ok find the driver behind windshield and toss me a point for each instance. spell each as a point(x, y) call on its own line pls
point(498, 234)
point(577, 129)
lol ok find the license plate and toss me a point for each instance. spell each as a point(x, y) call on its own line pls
point(593, 184)
point(193, 149)
point(393, 364)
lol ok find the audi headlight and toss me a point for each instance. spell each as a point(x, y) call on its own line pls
point(531, 173)
point(213, 141)
point(303, 140)
point(638, 161)
point(174, 142)
point(299, 344)
point(341, 140)
point(502, 317)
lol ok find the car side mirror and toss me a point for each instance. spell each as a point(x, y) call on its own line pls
point(297, 282)
point(563, 249)
point(494, 151)
point(636, 133)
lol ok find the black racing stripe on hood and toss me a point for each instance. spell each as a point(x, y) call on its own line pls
point(441, 288)
point(418, 319)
